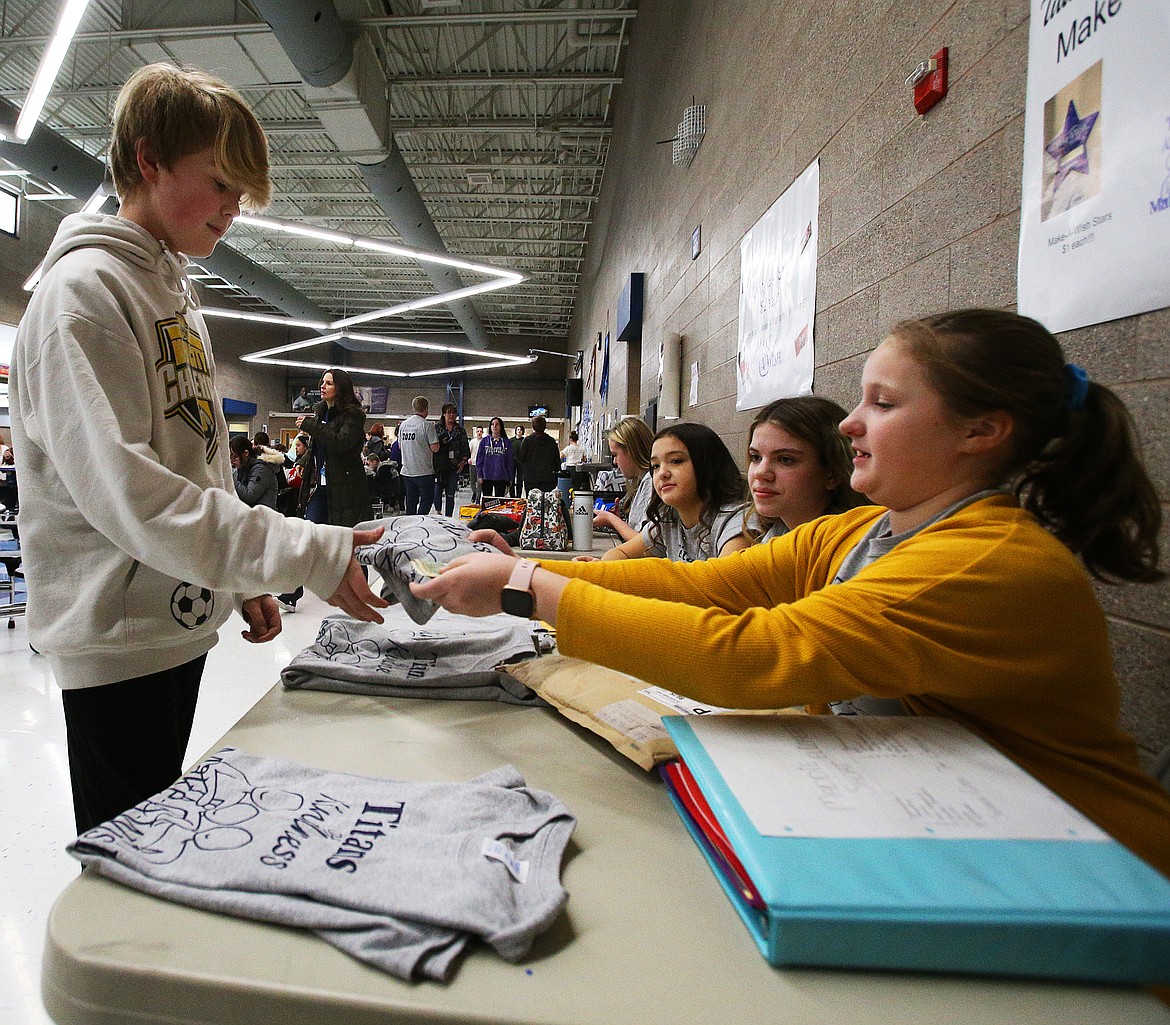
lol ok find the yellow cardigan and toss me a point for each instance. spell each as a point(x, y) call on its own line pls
point(983, 617)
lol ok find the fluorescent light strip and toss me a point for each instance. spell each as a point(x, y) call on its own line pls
point(51, 62)
point(412, 344)
point(353, 371)
point(267, 357)
point(418, 304)
point(374, 245)
point(500, 278)
point(264, 318)
point(513, 361)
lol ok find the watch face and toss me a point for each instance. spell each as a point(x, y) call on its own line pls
point(516, 603)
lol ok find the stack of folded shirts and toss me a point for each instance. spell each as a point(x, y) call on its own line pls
point(450, 657)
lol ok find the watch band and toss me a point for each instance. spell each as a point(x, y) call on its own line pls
point(517, 598)
point(522, 573)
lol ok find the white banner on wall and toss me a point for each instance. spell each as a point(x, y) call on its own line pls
point(777, 297)
point(1095, 210)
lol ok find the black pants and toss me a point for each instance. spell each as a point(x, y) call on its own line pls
point(127, 740)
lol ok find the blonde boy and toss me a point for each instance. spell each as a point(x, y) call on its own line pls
point(135, 546)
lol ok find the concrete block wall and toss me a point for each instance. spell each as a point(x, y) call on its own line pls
point(917, 214)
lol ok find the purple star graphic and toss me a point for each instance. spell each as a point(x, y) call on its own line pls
point(1074, 137)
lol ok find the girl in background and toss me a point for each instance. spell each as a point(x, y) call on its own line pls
point(376, 443)
point(697, 505)
point(997, 465)
point(629, 444)
point(493, 462)
point(255, 479)
point(799, 464)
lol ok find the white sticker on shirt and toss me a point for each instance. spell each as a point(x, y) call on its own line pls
point(679, 703)
point(634, 720)
point(502, 853)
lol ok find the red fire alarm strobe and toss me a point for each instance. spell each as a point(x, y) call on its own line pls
point(929, 81)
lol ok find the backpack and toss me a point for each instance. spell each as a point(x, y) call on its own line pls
point(545, 526)
point(505, 526)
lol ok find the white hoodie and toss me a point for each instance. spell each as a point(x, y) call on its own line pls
point(129, 523)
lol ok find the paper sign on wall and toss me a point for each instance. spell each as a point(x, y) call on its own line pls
point(777, 297)
point(1095, 209)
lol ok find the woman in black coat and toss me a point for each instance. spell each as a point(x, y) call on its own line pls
point(334, 488)
point(337, 427)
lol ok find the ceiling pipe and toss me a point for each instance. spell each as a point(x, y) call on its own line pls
point(346, 88)
point(56, 161)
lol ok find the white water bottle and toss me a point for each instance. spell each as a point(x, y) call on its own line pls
point(582, 520)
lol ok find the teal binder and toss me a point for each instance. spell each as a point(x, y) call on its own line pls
point(1067, 909)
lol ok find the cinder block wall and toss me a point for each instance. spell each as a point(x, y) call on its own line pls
point(917, 214)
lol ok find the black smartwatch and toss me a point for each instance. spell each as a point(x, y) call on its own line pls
point(517, 598)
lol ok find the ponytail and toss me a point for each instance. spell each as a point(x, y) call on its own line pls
point(1091, 490)
point(1073, 457)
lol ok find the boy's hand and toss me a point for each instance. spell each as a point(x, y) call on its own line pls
point(262, 615)
point(353, 594)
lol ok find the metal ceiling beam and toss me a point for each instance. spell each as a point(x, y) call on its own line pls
point(317, 42)
point(498, 126)
point(504, 79)
point(390, 22)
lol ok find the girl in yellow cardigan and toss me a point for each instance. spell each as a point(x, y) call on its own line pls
point(995, 462)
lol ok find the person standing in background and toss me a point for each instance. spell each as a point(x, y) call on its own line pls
point(418, 440)
point(517, 465)
point(473, 449)
point(333, 490)
point(493, 461)
point(573, 453)
point(541, 457)
point(451, 458)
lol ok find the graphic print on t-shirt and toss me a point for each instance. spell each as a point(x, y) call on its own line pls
point(186, 374)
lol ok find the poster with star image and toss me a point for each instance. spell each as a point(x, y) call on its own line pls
point(1095, 208)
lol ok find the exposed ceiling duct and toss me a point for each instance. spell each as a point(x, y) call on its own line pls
point(346, 88)
point(59, 163)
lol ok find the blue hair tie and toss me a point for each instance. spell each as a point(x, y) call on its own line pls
point(1078, 386)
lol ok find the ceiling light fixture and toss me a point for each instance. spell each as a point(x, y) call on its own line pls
point(498, 278)
point(271, 357)
point(51, 62)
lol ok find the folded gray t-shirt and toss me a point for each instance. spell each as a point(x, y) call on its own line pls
point(430, 539)
point(450, 656)
point(398, 874)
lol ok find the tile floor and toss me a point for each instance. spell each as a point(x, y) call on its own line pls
point(36, 816)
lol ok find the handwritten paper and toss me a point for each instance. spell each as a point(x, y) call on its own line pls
point(874, 777)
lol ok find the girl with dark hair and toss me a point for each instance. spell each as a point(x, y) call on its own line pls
point(255, 479)
point(697, 506)
point(997, 465)
point(333, 487)
point(494, 461)
point(799, 465)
